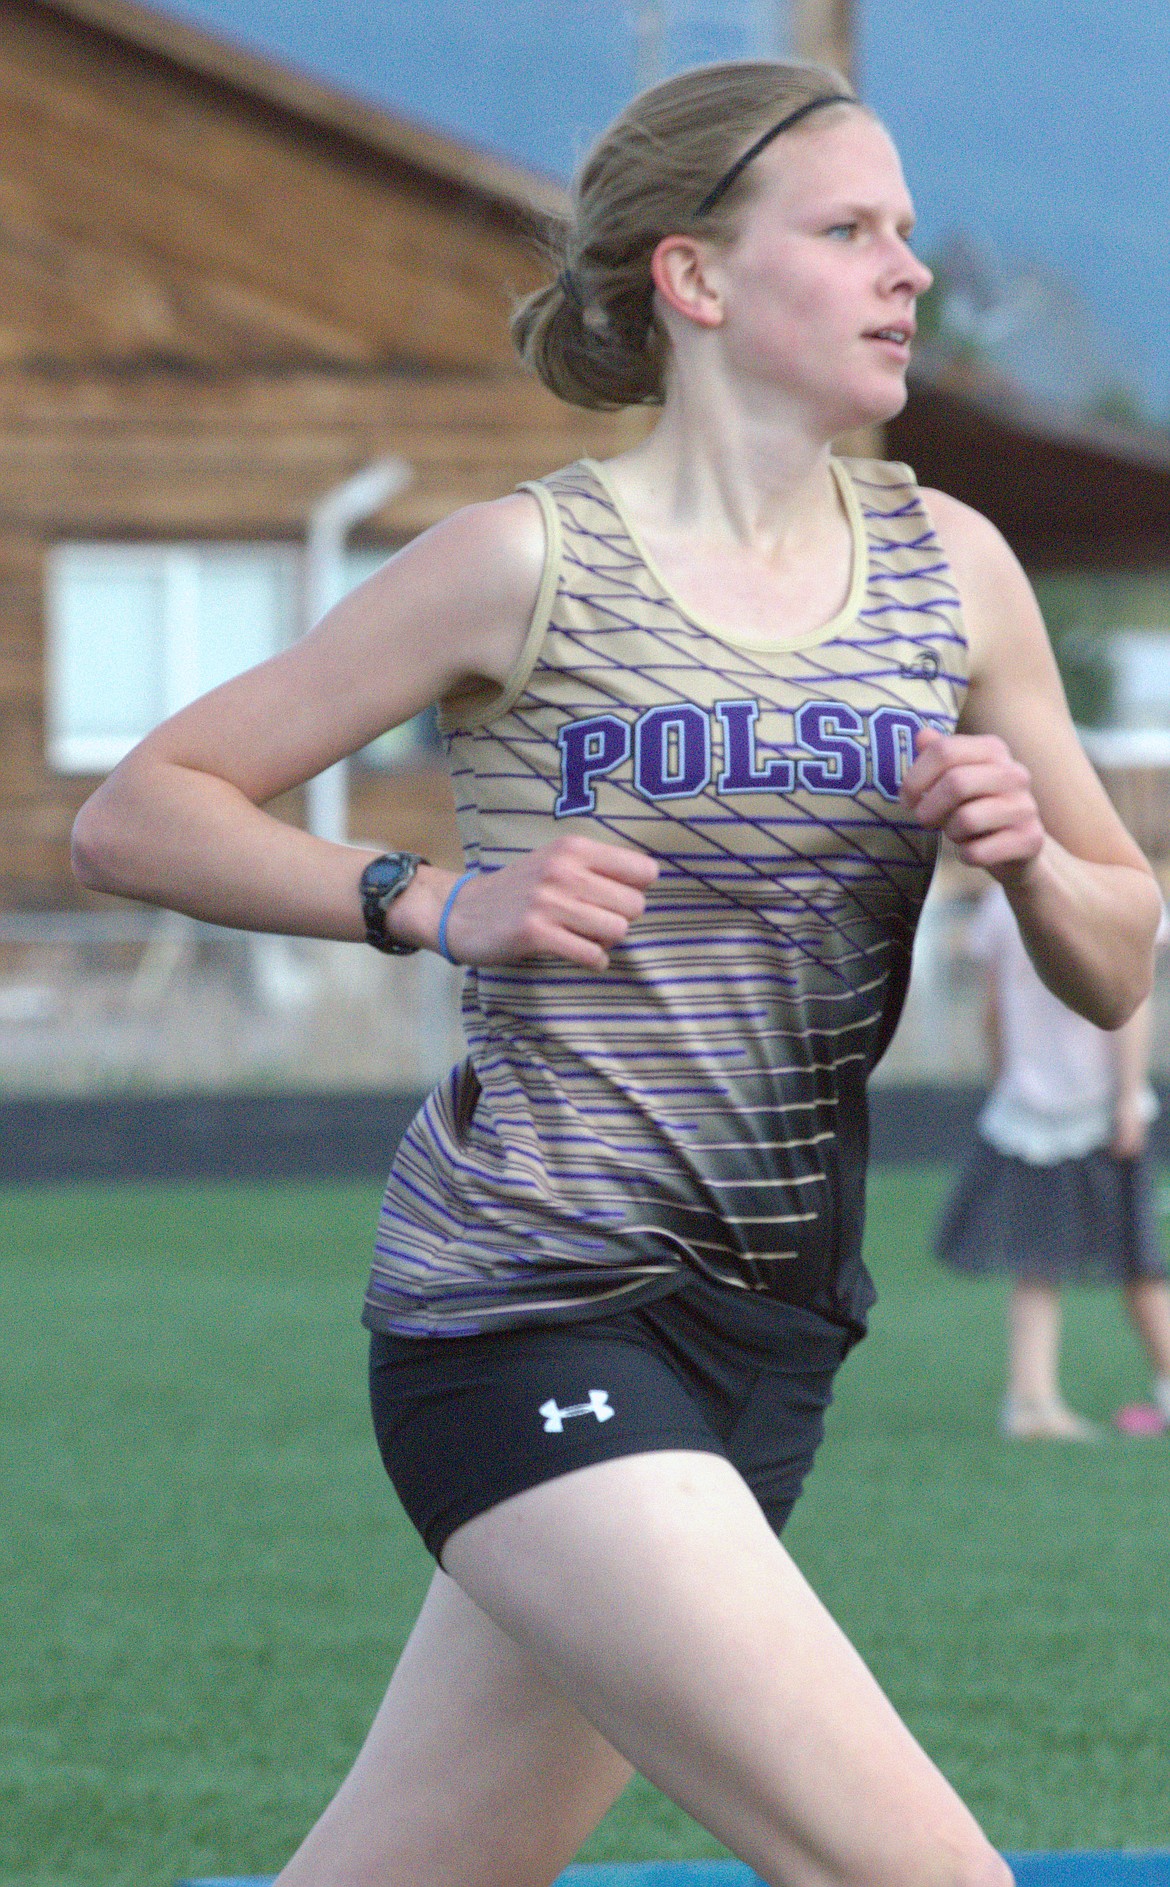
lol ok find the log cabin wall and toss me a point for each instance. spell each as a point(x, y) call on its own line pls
point(222, 290)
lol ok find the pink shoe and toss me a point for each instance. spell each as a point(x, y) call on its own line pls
point(1140, 1418)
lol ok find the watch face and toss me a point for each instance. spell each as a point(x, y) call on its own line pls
point(381, 882)
point(383, 876)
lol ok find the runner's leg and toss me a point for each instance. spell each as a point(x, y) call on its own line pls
point(477, 1772)
point(653, 1591)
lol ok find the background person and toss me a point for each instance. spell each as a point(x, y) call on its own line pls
point(619, 1258)
point(1058, 1190)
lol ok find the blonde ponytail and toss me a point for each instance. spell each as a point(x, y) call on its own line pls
point(590, 335)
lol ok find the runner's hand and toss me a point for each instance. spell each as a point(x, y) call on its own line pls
point(573, 899)
point(968, 787)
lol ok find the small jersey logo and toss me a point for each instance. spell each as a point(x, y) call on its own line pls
point(555, 1417)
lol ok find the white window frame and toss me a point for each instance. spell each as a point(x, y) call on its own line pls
point(180, 568)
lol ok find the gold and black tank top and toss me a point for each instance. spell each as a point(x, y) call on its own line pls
point(700, 1105)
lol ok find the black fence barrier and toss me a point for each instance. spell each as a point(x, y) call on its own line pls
point(202, 1136)
point(348, 1136)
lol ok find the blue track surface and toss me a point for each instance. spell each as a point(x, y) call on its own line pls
point(1106, 1869)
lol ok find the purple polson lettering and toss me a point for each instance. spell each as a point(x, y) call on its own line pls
point(672, 751)
point(741, 772)
point(891, 739)
point(835, 733)
point(588, 748)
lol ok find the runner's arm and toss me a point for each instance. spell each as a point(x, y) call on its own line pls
point(181, 822)
point(1015, 791)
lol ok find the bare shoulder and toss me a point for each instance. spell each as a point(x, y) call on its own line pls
point(451, 608)
point(1000, 611)
point(485, 560)
point(976, 550)
point(503, 535)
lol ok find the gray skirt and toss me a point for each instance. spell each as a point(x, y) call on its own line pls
point(1090, 1220)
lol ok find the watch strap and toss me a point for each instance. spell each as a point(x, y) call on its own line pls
point(384, 879)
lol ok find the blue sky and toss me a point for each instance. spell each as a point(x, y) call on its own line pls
point(1036, 124)
point(1043, 127)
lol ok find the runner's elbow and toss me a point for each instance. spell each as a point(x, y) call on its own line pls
point(100, 846)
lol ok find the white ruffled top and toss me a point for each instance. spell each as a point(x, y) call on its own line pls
point(1055, 1095)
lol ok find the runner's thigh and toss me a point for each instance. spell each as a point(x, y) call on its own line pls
point(654, 1592)
point(477, 1772)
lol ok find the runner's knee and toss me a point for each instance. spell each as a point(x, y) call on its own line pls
point(946, 1858)
point(977, 1864)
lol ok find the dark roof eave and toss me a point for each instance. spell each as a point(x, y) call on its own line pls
point(1016, 411)
point(1067, 493)
point(524, 195)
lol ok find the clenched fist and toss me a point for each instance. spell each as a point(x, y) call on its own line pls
point(969, 787)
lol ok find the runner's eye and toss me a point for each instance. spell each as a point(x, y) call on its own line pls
point(842, 232)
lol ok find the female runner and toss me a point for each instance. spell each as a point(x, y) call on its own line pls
point(619, 1257)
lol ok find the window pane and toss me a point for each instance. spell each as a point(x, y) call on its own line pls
point(1141, 667)
point(106, 672)
point(137, 631)
point(360, 564)
point(246, 611)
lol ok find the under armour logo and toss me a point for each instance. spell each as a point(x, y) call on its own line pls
point(926, 668)
point(555, 1417)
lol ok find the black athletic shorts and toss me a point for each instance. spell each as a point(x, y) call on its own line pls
point(465, 1422)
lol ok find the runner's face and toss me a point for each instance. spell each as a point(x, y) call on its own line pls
point(820, 283)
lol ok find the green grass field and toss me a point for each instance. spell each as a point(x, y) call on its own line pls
point(206, 1576)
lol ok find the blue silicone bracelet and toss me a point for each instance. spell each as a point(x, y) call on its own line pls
point(456, 888)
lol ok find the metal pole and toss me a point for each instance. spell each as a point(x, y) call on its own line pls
point(771, 29)
point(330, 522)
point(647, 21)
point(822, 31)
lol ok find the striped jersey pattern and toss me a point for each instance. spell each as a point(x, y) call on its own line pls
point(700, 1105)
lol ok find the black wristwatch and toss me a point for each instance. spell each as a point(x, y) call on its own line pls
point(383, 880)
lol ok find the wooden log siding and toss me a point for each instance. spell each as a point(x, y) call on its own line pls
point(223, 288)
point(146, 213)
point(36, 808)
point(245, 454)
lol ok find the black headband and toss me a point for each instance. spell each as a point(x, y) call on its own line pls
point(729, 176)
